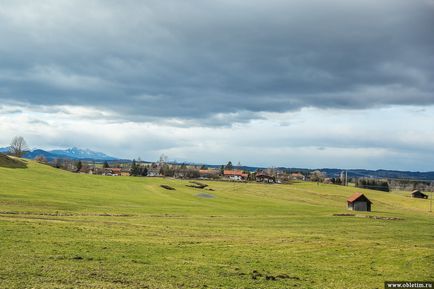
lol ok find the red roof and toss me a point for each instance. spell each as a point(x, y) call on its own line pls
point(208, 172)
point(355, 196)
point(234, 173)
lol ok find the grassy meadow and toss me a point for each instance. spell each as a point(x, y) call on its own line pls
point(66, 230)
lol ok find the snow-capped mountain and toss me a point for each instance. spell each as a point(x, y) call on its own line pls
point(77, 153)
point(40, 153)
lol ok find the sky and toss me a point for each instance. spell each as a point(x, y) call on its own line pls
point(319, 83)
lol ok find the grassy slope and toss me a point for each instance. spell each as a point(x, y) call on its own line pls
point(12, 163)
point(54, 234)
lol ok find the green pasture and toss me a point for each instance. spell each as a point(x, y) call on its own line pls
point(64, 230)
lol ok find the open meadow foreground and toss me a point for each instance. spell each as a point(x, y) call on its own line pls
point(64, 230)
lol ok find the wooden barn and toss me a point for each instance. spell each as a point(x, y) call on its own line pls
point(359, 202)
point(418, 194)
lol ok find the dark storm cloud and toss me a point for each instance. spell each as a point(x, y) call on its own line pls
point(199, 59)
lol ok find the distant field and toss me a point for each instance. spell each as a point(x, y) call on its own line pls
point(65, 230)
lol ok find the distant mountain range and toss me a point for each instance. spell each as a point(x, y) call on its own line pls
point(71, 153)
point(5, 149)
point(76, 153)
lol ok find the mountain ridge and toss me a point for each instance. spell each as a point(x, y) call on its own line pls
point(73, 153)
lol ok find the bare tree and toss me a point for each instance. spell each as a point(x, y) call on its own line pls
point(18, 146)
point(317, 176)
point(41, 159)
point(163, 159)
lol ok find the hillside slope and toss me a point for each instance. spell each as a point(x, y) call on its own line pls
point(11, 163)
point(62, 230)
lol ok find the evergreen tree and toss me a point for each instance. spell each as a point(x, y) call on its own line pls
point(79, 165)
point(229, 166)
point(143, 171)
point(133, 170)
point(105, 165)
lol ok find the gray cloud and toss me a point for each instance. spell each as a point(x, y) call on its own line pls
point(196, 60)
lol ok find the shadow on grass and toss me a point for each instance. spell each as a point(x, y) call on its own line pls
point(11, 163)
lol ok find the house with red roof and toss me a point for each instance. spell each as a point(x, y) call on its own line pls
point(359, 202)
point(235, 175)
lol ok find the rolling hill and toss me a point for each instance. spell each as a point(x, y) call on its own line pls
point(65, 230)
point(10, 162)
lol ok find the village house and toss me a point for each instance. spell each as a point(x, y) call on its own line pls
point(85, 170)
point(264, 178)
point(298, 177)
point(359, 202)
point(112, 172)
point(209, 174)
point(418, 194)
point(235, 175)
point(154, 172)
point(125, 171)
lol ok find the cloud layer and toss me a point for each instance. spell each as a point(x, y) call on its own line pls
point(319, 83)
point(216, 62)
point(391, 138)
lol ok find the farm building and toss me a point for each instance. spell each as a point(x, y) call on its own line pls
point(235, 175)
point(418, 194)
point(154, 172)
point(359, 202)
point(298, 176)
point(208, 174)
point(261, 177)
point(112, 172)
point(125, 171)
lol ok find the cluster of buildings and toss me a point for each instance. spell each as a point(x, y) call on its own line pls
point(185, 172)
point(105, 171)
point(259, 176)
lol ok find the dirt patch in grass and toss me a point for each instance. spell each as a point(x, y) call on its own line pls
point(368, 216)
point(197, 185)
point(205, 196)
point(167, 187)
point(255, 275)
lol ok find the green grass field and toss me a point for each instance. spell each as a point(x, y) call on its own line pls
point(65, 230)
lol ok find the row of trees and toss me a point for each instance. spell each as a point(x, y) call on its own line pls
point(373, 184)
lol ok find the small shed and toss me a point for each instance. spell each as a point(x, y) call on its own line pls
point(418, 194)
point(359, 202)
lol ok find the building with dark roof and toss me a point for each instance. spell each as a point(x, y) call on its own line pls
point(418, 194)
